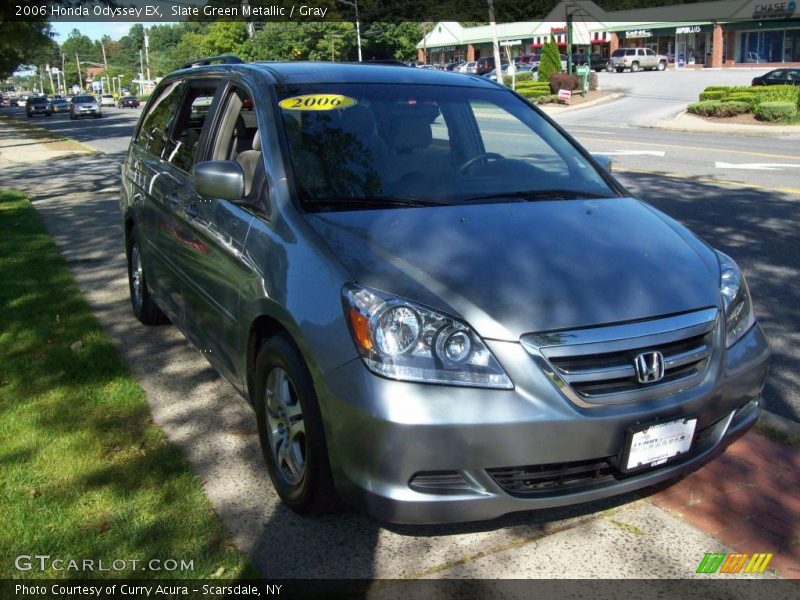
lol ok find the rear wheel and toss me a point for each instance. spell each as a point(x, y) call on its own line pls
point(144, 307)
point(290, 429)
point(634, 67)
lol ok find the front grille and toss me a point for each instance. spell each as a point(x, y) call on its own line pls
point(596, 375)
point(556, 479)
point(597, 366)
point(553, 479)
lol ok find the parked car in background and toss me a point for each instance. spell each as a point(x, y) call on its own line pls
point(37, 105)
point(7, 101)
point(436, 326)
point(469, 67)
point(485, 64)
point(596, 61)
point(128, 102)
point(107, 100)
point(636, 59)
point(84, 106)
point(778, 77)
point(22, 100)
point(58, 105)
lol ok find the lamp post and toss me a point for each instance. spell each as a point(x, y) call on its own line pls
point(354, 4)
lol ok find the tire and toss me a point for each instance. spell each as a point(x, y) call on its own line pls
point(97, 116)
point(634, 67)
point(619, 70)
point(609, 68)
point(284, 398)
point(661, 65)
point(144, 307)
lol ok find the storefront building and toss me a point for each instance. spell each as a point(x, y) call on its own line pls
point(727, 33)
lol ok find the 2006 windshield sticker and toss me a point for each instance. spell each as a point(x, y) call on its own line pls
point(317, 102)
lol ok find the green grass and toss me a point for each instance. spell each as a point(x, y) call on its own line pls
point(84, 473)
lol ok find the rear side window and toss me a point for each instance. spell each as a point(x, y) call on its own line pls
point(159, 118)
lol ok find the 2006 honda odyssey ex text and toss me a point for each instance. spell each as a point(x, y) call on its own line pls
point(439, 305)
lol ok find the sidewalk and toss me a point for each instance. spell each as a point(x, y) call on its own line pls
point(634, 536)
point(692, 123)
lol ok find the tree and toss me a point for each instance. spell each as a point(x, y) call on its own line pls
point(21, 42)
point(550, 61)
point(392, 40)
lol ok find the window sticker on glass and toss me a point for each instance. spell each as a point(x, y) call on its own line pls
point(317, 102)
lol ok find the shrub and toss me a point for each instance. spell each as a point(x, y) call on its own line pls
point(718, 88)
point(740, 97)
point(533, 94)
point(775, 110)
point(550, 99)
point(550, 61)
point(713, 95)
point(731, 109)
point(779, 93)
point(564, 81)
point(524, 76)
point(705, 108)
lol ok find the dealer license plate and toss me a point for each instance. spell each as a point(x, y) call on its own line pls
point(659, 443)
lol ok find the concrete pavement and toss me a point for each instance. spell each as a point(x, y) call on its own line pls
point(216, 432)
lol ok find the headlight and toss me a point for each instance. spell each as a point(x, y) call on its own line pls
point(405, 341)
point(739, 316)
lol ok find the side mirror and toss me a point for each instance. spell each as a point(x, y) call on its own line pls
point(219, 179)
point(604, 161)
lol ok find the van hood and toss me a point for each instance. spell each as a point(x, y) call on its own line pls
point(516, 268)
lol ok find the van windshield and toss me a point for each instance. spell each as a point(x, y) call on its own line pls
point(363, 145)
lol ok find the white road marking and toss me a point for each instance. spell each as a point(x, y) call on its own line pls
point(757, 166)
point(633, 152)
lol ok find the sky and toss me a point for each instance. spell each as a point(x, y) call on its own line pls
point(93, 29)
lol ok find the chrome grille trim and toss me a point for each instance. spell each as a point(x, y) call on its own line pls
point(595, 366)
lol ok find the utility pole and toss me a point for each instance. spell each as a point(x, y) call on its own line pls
point(354, 4)
point(495, 45)
point(80, 79)
point(63, 70)
point(141, 73)
point(50, 73)
point(147, 53)
point(105, 62)
point(569, 38)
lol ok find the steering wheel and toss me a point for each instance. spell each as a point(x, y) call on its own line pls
point(481, 156)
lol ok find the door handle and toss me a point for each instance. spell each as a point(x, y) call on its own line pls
point(173, 198)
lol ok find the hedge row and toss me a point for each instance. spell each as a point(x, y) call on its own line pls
point(780, 102)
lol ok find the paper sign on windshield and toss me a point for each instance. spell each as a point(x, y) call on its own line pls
point(317, 102)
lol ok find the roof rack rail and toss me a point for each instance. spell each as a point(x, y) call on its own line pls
point(230, 59)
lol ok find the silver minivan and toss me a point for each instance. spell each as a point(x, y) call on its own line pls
point(440, 307)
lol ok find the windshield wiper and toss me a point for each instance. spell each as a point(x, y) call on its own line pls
point(374, 201)
point(533, 195)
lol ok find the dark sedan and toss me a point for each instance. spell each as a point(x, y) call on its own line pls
point(128, 102)
point(596, 61)
point(779, 77)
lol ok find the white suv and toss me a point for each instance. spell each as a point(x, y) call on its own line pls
point(107, 100)
point(635, 59)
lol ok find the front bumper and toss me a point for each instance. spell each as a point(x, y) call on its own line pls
point(382, 433)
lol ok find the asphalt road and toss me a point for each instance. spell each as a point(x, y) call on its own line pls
point(747, 211)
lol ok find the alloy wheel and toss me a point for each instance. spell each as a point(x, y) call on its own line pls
point(285, 426)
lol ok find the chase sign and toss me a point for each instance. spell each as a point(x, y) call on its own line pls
point(772, 10)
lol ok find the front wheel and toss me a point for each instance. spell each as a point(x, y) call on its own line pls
point(144, 307)
point(290, 429)
point(662, 65)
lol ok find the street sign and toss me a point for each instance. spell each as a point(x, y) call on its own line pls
point(582, 70)
point(511, 43)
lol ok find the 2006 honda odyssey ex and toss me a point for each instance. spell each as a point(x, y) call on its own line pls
point(439, 305)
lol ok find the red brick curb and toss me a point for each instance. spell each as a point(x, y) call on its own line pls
point(749, 499)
